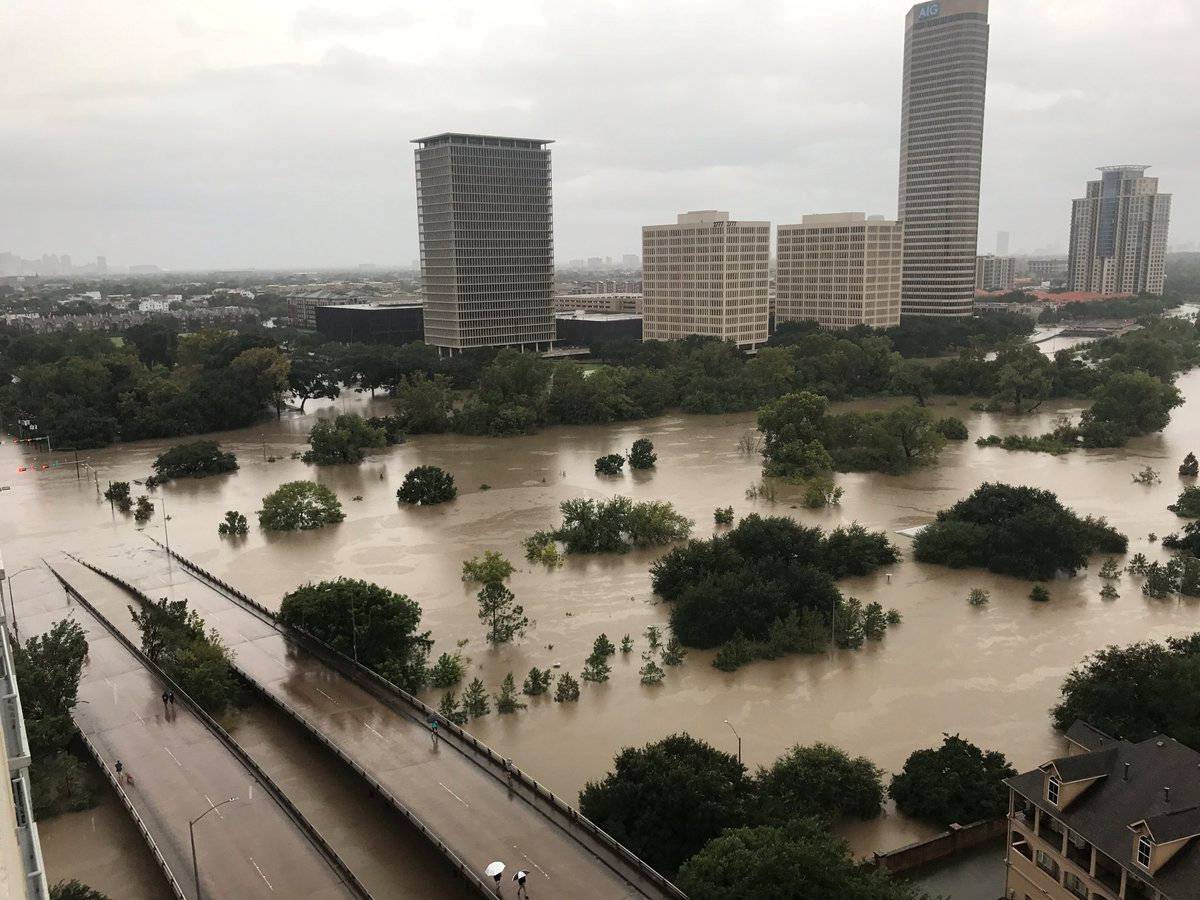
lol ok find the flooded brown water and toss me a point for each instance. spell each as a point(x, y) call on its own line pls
point(988, 673)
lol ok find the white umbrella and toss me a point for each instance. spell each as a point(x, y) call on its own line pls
point(494, 869)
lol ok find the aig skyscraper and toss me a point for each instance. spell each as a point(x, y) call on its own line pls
point(941, 143)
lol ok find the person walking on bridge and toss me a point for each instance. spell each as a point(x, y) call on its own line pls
point(520, 878)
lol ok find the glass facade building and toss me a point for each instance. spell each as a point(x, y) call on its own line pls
point(485, 217)
point(941, 148)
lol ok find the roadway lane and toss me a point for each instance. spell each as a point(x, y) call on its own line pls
point(249, 848)
point(462, 802)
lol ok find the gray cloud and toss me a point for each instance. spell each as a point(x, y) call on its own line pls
point(278, 134)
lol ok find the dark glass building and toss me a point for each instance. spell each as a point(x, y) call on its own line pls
point(372, 323)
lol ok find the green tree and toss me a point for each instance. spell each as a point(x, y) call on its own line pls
point(952, 429)
point(666, 800)
point(117, 493)
point(195, 459)
point(567, 690)
point(1023, 379)
point(75, 890)
point(299, 505)
point(603, 647)
point(447, 671)
point(611, 464)
point(978, 597)
point(642, 455)
point(475, 700)
point(1136, 691)
point(344, 439)
point(537, 682)
point(1125, 405)
point(650, 672)
point(673, 654)
point(234, 524)
point(427, 485)
point(504, 617)
point(799, 860)
point(626, 644)
point(820, 780)
point(144, 509)
point(723, 515)
point(508, 700)
point(1189, 467)
point(1188, 504)
point(48, 667)
point(1039, 594)
point(174, 637)
point(912, 378)
point(366, 622)
point(596, 669)
point(956, 782)
point(491, 568)
point(423, 403)
point(452, 709)
point(312, 375)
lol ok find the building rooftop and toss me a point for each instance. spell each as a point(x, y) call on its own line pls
point(369, 307)
point(447, 137)
point(1154, 783)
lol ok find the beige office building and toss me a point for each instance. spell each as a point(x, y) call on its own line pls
point(840, 270)
point(994, 273)
point(1119, 234)
point(941, 148)
point(706, 275)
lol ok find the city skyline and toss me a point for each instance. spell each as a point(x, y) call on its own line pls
point(225, 138)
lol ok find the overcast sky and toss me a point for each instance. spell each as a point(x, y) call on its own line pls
point(235, 133)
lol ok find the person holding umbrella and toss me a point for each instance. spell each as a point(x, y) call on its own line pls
point(519, 878)
point(494, 871)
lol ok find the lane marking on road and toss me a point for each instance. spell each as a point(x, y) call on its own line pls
point(139, 717)
point(455, 796)
point(261, 875)
point(374, 732)
point(220, 815)
point(530, 861)
point(173, 756)
point(250, 792)
point(325, 695)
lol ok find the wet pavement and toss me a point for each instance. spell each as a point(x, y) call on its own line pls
point(461, 800)
point(176, 769)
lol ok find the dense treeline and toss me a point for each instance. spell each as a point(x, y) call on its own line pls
point(86, 390)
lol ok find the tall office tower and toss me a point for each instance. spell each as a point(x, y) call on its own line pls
point(941, 145)
point(994, 273)
point(706, 275)
point(840, 270)
point(1119, 234)
point(484, 211)
point(1002, 243)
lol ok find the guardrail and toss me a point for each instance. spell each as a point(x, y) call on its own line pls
point(388, 693)
point(293, 813)
point(172, 883)
point(456, 862)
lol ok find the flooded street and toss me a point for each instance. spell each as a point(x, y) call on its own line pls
point(989, 673)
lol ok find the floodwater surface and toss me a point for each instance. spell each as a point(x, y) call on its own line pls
point(988, 673)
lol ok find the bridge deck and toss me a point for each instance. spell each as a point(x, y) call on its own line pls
point(249, 848)
point(455, 791)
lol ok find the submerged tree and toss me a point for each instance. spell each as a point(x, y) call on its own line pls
point(537, 682)
point(234, 524)
point(596, 669)
point(651, 672)
point(567, 690)
point(452, 709)
point(508, 701)
point(475, 700)
point(641, 454)
point(1189, 467)
point(498, 608)
point(427, 485)
point(300, 505)
point(610, 464)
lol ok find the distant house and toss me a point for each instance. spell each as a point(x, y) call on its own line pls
point(1111, 820)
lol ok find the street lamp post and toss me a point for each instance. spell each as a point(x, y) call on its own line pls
point(12, 601)
point(739, 740)
point(192, 835)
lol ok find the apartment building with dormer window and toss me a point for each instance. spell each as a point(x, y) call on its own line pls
point(1110, 820)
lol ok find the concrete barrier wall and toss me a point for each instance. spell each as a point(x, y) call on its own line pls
point(948, 843)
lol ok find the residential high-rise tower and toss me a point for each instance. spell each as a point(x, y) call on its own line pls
point(485, 216)
point(706, 275)
point(839, 270)
point(1119, 234)
point(941, 146)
